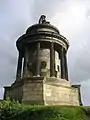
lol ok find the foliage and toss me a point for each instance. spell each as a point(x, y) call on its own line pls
point(16, 111)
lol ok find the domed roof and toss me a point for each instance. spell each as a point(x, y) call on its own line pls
point(43, 31)
point(42, 26)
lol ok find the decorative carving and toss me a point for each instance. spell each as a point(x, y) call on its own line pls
point(43, 64)
point(42, 20)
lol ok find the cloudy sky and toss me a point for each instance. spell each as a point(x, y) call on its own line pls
point(72, 17)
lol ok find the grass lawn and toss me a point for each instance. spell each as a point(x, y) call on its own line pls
point(17, 111)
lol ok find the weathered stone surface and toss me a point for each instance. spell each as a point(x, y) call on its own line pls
point(60, 94)
point(46, 91)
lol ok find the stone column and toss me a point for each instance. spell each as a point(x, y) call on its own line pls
point(52, 60)
point(19, 67)
point(66, 67)
point(38, 59)
point(62, 63)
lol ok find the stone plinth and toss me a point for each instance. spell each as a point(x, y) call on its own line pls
point(60, 92)
point(45, 91)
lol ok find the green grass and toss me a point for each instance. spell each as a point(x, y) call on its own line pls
point(16, 111)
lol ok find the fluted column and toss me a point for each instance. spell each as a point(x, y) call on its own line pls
point(19, 67)
point(66, 67)
point(62, 63)
point(52, 60)
point(38, 59)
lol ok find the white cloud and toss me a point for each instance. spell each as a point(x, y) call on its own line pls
point(72, 20)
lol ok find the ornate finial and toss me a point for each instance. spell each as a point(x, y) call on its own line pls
point(42, 20)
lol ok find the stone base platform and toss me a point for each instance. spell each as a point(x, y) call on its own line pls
point(44, 91)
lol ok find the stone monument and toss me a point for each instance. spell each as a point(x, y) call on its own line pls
point(42, 72)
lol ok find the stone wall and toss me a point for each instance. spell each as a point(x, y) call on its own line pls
point(57, 65)
point(44, 58)
point(45, 91)
point(16, 93)
point(60, 95)
point(33, 91)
